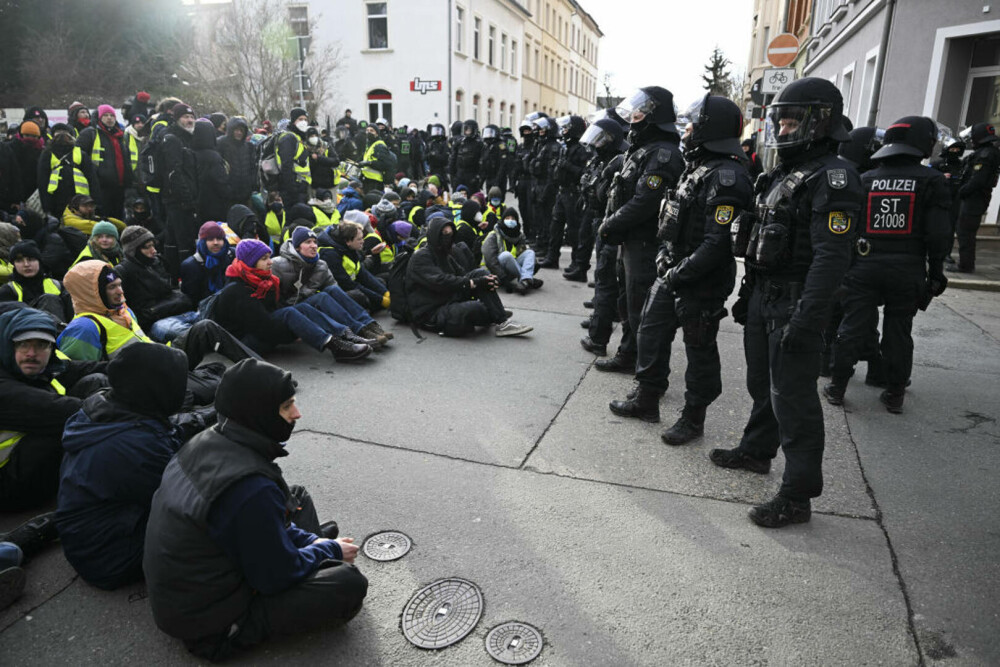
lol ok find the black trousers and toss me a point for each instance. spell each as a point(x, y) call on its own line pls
point(636, 276)
point(182, 234)
point(31, 476)
point(332, 596)
point(565, 221)
point(585, 239)
point(898, 282)
point(523, 194)
point(665, 313)
point(462, 317)
point(469, 180)
point(605, 293)
point(541, 210)
point(786, 410)
point(968, 226)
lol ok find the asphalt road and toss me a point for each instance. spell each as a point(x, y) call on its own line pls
point(501, 461)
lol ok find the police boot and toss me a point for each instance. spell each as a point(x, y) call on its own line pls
point(892, 399)
point(550, 262)
point(573, 266)
point(834, 391)
point(600, 349)
point(645, 405)
point(875, 377)
point(578, 275)
point(780, 511)
point(691, 425)
point(616, 364)
point(32, 535)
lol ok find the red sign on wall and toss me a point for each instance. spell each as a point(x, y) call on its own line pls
point(423, 86)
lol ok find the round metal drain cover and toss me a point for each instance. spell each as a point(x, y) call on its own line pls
point(387, 546)
point(514, 643)
point(442, 613)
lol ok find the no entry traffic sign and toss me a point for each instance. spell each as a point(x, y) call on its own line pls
point(782, 49)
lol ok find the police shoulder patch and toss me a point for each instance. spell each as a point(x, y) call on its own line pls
point(663, 155)
point(839, 222)
point(654, 182)
point(724, 214)
point(837, 178)
point(727, 177)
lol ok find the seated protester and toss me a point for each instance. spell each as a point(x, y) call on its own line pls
point(447, 294)
point(163, 311)
point(494, 209)
point(233, 555)
point(324, 209)
point(245, 223)
point(117, 446)
point(137, 213)
point(469, 229)
point(305, 278)
point(274, 220)
point(204, 273)
point(103, 245)
point(30, 285)
point(341, 249)
point(248, 307)
point(38, 393)
point(10, 235)
point(104, 325)
point(507, 256)
point(81, 214)
point(350, 200)
point(299, 215)
point(379, 248)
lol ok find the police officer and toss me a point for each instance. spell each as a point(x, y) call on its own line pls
point(543, 163)
point(797, 252)
point(520, 176)
point(494, 149)
point(904, 231)
point(509, 156)
point(949, 163)
point(377, 162)
point(653, 165)
point(438, 154)
point(607, 138)
point(573, 158)
point(696, 270)
point(344, 143)
point(466, 156)
point(979, 177)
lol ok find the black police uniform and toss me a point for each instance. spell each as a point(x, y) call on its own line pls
point(979, 177)
point(573, 158)
point(520, 177)
point(798, 252)
point(509, 160)
point(437, 159)
point(652, 166)
point(492, 161)
point(694, 229)
point(606, 269)
point(589, 211)
point(950, 164)
point(465, 159)
point(543, 164)
point(904, 229)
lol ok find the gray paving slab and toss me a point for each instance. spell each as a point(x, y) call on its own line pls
point(933, 471)
point(610, 575)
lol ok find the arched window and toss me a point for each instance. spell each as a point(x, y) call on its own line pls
point(475, 107)
point(489, 111)
point(379, 105)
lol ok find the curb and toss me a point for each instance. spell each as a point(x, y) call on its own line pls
point(971, 284)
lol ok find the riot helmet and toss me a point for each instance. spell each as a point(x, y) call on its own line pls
point(342, 132)
point(470, 128)
point(716, 126)
point(954, 145)
point(381, 123)
point(806, 113)
point(535, 115)
point(525, 128)
point(858, 150)
point(910, 135)
point(456, 128)
point(983, 133)
point(437, 130)
point(651, 105)
point(543, 126)
point(491, 132)
point(571, 127)
point(604, 135)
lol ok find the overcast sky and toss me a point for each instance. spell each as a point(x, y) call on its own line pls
point(668, 42)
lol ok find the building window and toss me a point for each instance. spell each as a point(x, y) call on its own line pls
point(459, 29)
point(477, 26)
point(503, 52)
point(513, 57)
point(458, 104)
point(846, 88)
point(538, 66)
point(379, 105)
point(493, 39)
point(867, 86)
point(510, 116)
point(378, 25)
point(489, 111)
point(765, 40)
point(475, 108)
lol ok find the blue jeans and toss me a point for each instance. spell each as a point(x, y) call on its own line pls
point(309, 324)
point(521, 267)
point(334, 302)
point(10, 555)
point(169, 328)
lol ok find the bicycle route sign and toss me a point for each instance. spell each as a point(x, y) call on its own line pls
point(775, 79)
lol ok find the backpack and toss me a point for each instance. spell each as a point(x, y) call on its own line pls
point(147, 170)
point(268, 162)
point(399, 306)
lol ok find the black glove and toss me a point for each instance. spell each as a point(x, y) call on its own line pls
point(662, 264)
point(365, 163)
point(669, 279)
point(793, 338)
point(482, 282)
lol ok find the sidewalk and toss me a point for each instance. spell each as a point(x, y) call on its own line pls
point(987, 275)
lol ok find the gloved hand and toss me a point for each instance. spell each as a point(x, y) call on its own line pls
point(482, 282)
point(366, 163)
point(669, 279)
point(662, 263)
point(937, 282)
point(793, 338)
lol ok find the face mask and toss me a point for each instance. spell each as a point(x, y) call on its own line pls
point(275, 207)
point(479, 217)
point(314, 141)
point(84, 121)
point(140, 215)
point(495, 201)
point(446, 242)
point(301, 125)
point(510, 223)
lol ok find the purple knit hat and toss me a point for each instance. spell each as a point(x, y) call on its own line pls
point(249, 251)
point(402, 229)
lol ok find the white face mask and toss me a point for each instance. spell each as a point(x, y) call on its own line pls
point(314, 141)
point(301, 125)
point(479, 217)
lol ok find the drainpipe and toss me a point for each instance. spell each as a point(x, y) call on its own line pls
point(880, 70)
point(448, 103)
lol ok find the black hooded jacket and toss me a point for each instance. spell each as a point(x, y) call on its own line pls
point(180, 167)
point(241, 156)
point(148, 292)
point(436, 277)
point(213, 179)
point(245, 223)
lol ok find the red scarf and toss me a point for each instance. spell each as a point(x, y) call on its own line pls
point(115, 134)
point(262, 281)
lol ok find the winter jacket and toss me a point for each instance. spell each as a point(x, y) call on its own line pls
point(249, 319)
point(113, 166)
point(333, 252)
point(31, 290)
point(10, 179)
point(27, 159)
point(180, 168)
point(241, 156)
point(54, 203)
point(213, 196)
point(148, 291)
point(299, 278)
point(435, 279)
point(86, 225)
point(350, 201)
point(495, 243)
point(195, 278)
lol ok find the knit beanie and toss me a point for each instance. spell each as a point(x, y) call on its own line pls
point(249, 251)
point(25, 249)
point(104, 227)
point(371, 199)
point(29, 129)
point(142, 96)
point(212, 230)
point(74, 109)
point(356, 216)
point(300, 235)
point(133, 238)
point(434, 180)
point(297, 112)
point(391, 197)
point(402, 229)
point(383, 208)
point(105, 108)
point(180, 109)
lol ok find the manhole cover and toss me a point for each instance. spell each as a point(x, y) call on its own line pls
point(514, 643)
point(442, 613)
point(389, 545)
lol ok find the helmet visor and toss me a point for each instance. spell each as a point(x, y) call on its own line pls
point(437, 131)
point(792, 125)
point(563, 123)
point(693, 113)
point(489, 133)
point(542, 124)
point(596, 136)
point(635, 108)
